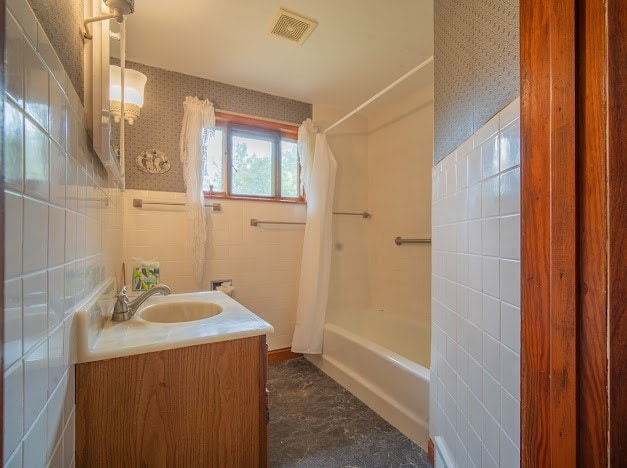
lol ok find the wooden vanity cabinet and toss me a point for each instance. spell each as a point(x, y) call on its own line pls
point(202, 405)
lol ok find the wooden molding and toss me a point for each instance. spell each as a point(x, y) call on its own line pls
point(573, 232)
point(283, 354)
point(592, 417)
point(264, 403)
point(431, 451)
point(286, 130)
point(224, 196)
point(617, 228)
point(548, 233)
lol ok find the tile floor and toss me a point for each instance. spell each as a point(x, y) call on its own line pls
point(314, 422)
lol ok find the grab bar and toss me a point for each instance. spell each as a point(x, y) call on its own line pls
point(400, 241)
point(363, 214)
point(139, 203)
point(256, 222)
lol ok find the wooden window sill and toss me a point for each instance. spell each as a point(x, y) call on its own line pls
point(291, 201)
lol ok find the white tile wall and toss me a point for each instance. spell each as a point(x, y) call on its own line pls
point(47, 228)
point(263, 262)
point(475, 362)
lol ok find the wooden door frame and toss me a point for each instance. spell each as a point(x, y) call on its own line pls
point(573, 232)
point(617, 229)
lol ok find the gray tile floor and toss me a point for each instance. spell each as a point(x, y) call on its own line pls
point(316, 423)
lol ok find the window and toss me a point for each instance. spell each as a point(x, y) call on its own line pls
point(250, 158)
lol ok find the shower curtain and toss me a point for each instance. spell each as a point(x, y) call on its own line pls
point(199, 121)
point(315, 267)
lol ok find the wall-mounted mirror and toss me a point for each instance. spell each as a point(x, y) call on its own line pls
point(117, 94)
point(115, 80)
point(126, 91)
point(98, 59)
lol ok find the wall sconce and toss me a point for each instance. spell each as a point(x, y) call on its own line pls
point(118, 8)
point(134, 83)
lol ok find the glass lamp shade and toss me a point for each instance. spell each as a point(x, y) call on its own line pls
point(134, 83)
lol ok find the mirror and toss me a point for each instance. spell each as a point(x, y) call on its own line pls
point(102, 128)
point(126, 92)
point(115, 76)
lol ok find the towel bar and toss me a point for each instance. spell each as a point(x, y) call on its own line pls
point(400, 241)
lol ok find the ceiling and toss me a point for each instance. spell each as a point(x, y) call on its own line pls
point(358, 48)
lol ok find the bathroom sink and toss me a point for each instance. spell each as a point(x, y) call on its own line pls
point(178, 312)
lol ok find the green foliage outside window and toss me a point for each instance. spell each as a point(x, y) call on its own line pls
point(289, 169)
point(253, 162)
point(252, 170)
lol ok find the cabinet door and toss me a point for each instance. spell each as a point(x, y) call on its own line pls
point(194, 406)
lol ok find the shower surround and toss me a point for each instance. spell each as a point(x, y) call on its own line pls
point(377, 332)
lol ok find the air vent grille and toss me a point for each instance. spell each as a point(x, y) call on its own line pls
point(292, 27)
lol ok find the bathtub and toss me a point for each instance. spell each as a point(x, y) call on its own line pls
point(383, 360)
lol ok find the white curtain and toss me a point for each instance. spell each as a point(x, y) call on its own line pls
point(198, 123)
point(315, 267)
point(306, 145)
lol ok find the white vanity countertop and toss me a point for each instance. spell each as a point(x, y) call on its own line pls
point(100, 338)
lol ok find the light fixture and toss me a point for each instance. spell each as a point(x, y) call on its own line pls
point(118, 8)
point(134, 83)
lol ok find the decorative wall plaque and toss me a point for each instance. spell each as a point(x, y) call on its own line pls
point(153, 161)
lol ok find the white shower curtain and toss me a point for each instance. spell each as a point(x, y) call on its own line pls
point(315, 267)
point(199, 121)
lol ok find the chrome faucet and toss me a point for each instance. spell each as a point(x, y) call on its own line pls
point(124, 309)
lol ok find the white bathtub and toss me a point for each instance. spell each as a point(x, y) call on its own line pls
point(383, 360)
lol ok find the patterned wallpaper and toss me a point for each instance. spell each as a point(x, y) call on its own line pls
point(61, 20)
point(159, 124)
point(476, 66)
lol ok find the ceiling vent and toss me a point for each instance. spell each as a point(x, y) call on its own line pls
point(293, 27)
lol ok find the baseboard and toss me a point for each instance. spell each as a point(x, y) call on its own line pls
point(431, 452)
point(283, 354)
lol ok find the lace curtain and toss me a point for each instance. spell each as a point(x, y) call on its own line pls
point(198, 125)
point(306, 145)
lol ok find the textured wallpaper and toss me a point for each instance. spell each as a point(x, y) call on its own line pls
point(159, 125)
point(61, 20)
point(476, 66)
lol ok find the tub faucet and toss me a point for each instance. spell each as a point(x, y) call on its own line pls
point(125, 309)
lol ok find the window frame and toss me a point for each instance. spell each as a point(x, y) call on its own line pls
point(245, 124)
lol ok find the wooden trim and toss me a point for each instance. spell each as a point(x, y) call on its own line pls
point(431, 451)
point(592, 417)
point(548, 233)
point(617, 229)
point(286, 130)
point(574, 232)
point(223, 196)
point(264, 406)
point(283, 354)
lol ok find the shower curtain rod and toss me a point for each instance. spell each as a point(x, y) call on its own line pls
point(381, 93)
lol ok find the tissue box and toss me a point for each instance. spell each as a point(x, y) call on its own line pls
point(145, 277)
